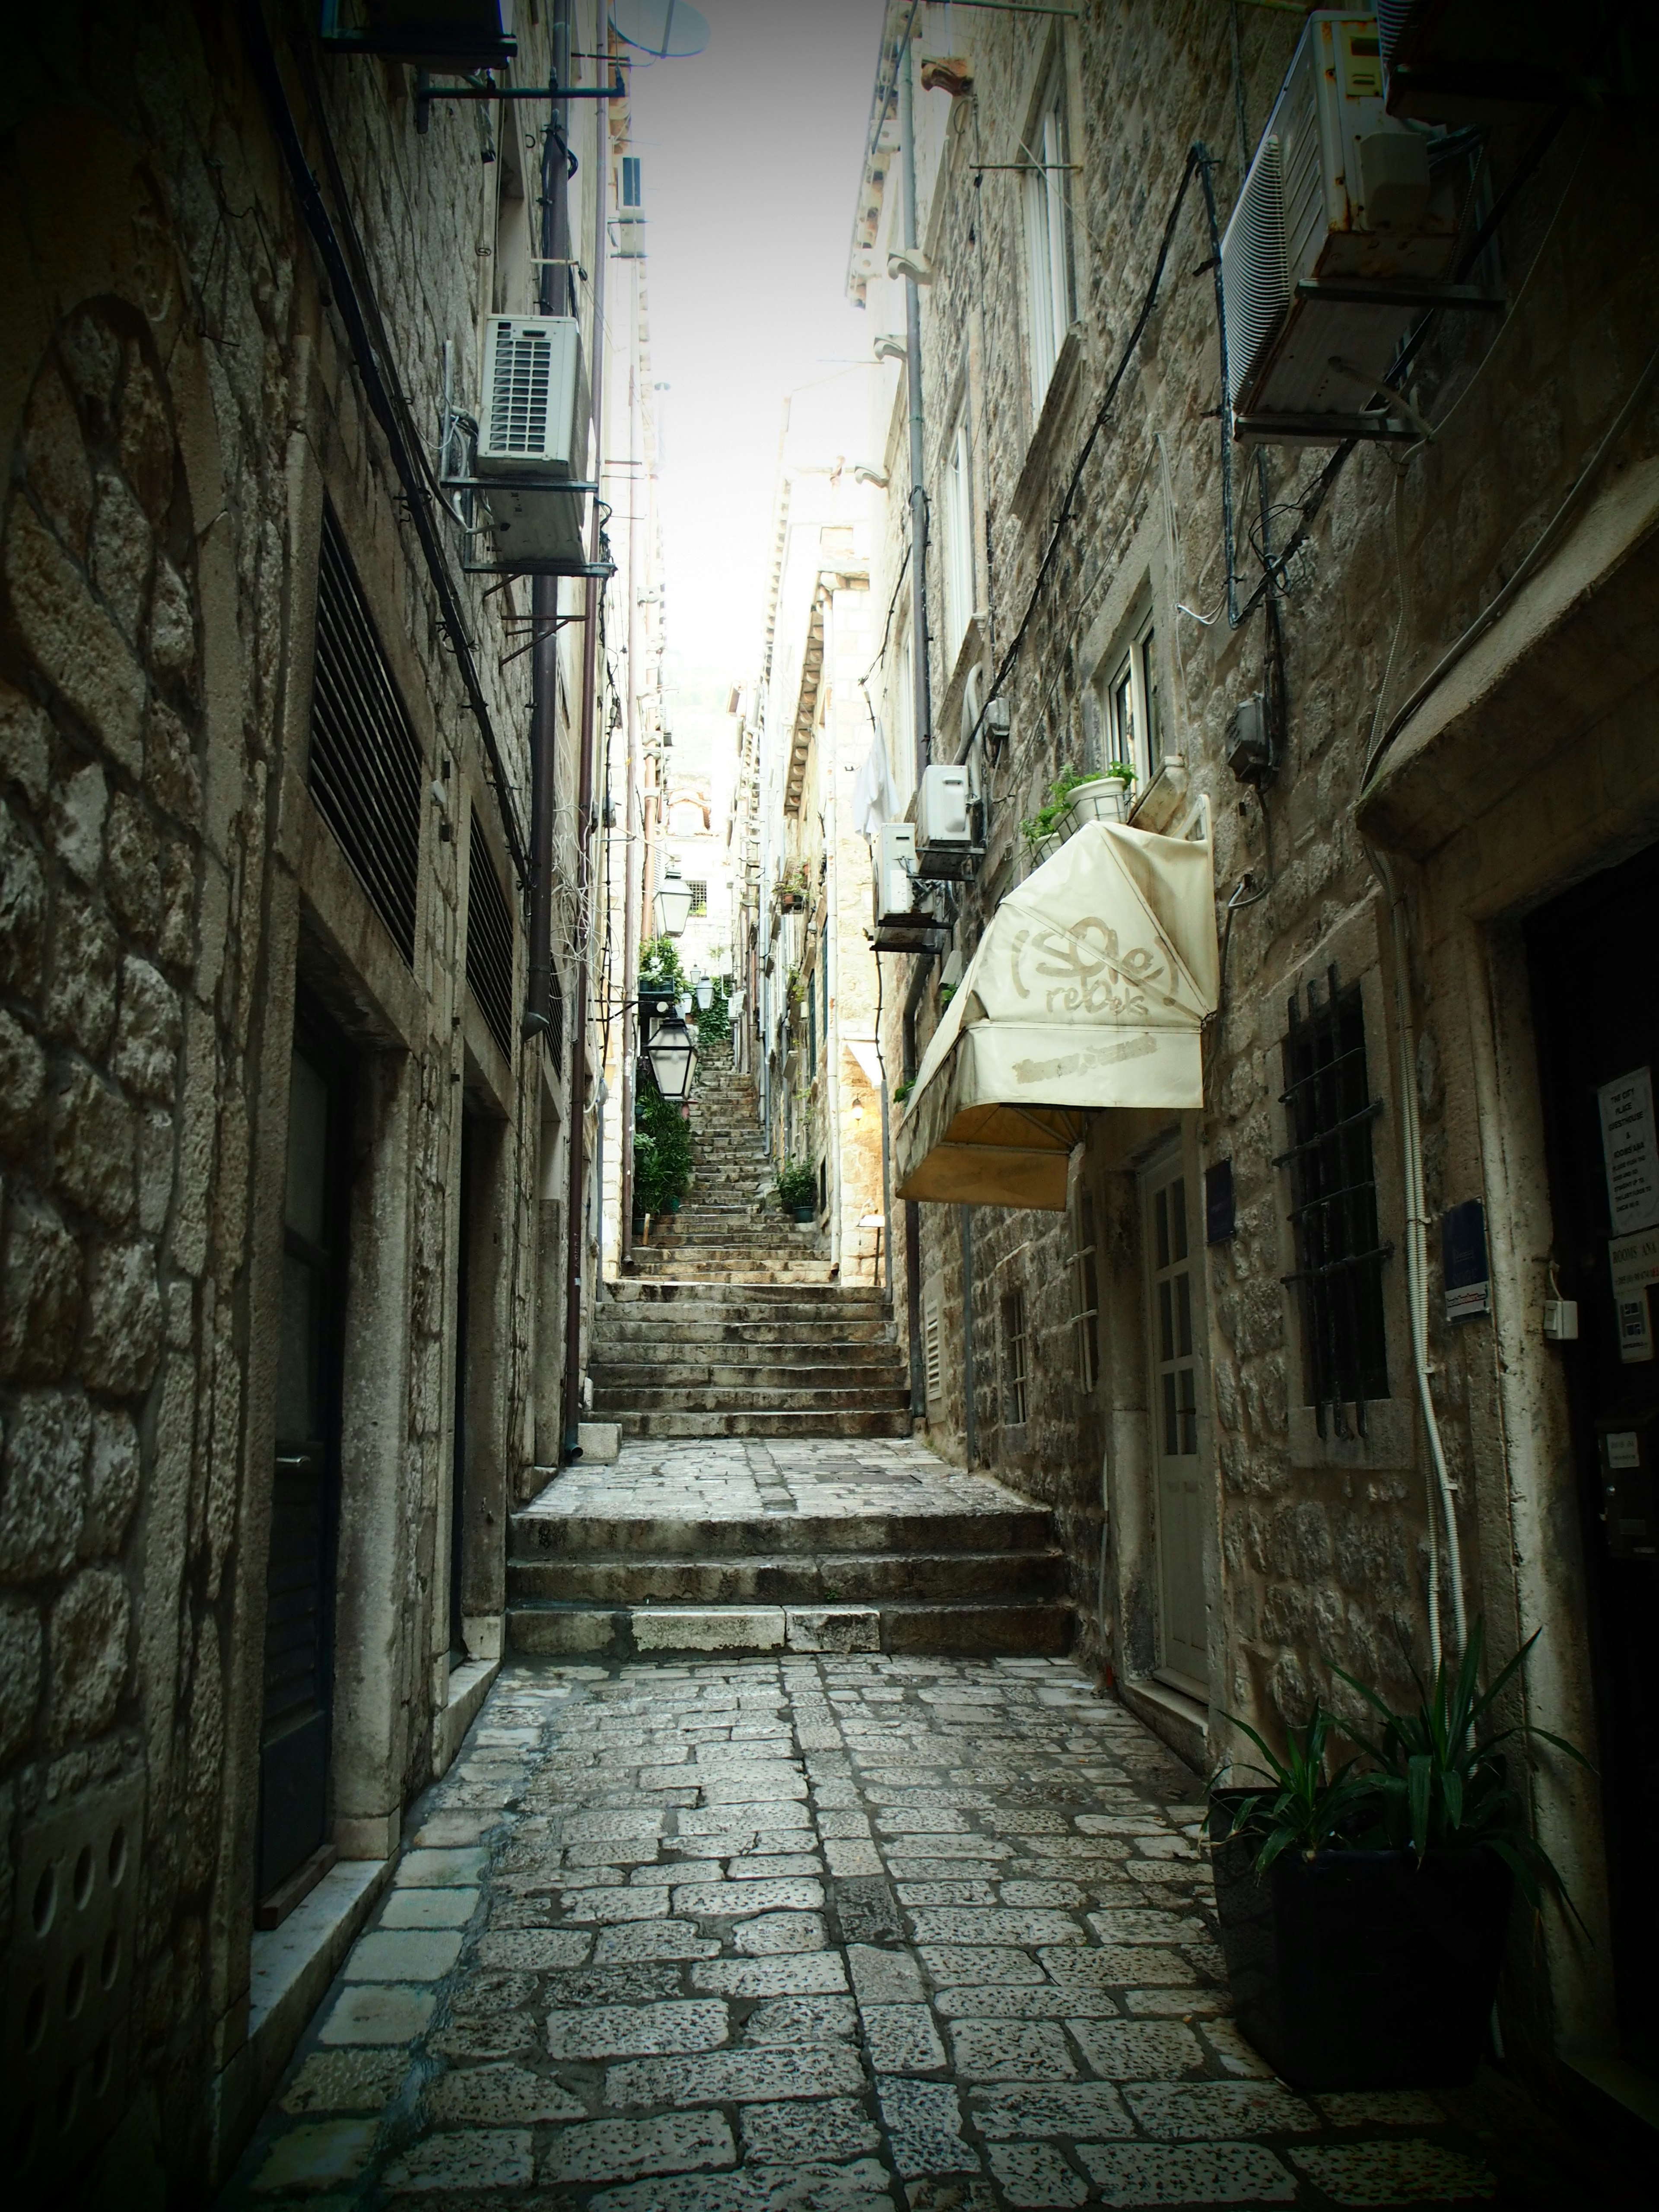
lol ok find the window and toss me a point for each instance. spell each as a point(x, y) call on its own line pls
point(1133, 708)
point(1047, 183)
point(489, 941)
point(955, 550)
point(630, 180)
point(1086, 1262)
point(1013, 1358)
point(699, 896)
point(1339, 1276)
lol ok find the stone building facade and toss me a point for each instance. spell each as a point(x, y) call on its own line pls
point(286, 1169)
point(1445, 632)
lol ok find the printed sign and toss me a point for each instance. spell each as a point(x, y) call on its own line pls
point(1631, 1154)
point(1463, 1260)
point(1634, 1262)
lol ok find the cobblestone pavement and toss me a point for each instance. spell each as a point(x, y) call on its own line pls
point(826, 1935)
point(738, 1478)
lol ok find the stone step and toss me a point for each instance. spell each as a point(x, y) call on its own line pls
point(894, 1534)
point(671, 1427)
point(790, 1579)
point(877, 1368)
point(791, 1301)
point(625, 1632)
point(684, 1334)
point(871, 1394)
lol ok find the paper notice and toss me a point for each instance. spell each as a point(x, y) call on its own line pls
point(1630, 1151)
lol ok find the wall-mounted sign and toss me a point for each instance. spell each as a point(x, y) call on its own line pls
point(1630, 1498)
point(1634, 1262)
point(1630, 1151)
point(1463, 1260)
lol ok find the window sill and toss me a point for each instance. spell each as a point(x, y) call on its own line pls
point(1034, 470)
point(1388, 1441)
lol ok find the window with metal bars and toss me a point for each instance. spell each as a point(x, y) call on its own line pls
point(489, 941)
point(1340, 1254)
point(364, 770)
point(699, 896)
point(1013, 1358)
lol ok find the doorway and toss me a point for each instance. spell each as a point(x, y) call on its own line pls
point(469, 1194)
point(1181, 1491)
point(1596, 1023)
point(299, 1646)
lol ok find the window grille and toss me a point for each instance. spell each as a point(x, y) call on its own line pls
point(1340, 1255)
point(364, 770)
point(699, 896)
point(933, 1350)
point(1049, 282)
point(1086, 1270)
point(489, 941)
point(1013, 1355)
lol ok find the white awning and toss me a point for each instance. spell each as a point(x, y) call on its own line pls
point(1088, 990)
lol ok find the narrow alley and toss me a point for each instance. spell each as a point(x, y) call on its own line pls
point(829, 1178)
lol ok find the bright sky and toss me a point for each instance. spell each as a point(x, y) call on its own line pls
point(749, 158)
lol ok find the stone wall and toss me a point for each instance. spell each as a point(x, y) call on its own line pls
point(177, 402)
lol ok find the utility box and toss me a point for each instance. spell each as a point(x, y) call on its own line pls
point(945, 824)
point(533, 442)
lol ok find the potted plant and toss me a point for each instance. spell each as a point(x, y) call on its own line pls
point(1047, 831)
point(798, 1191)
point(1102, 798)
point(1363, 1906)
point(661, 976)
point(791, 896)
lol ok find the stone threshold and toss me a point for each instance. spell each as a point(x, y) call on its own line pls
point(468, 1685)
point(1178, 1720)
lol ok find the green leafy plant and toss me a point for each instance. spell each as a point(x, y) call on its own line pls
point(662, 1154)
point(714, 1023)
point(1439, 1787)
point(798, 1185)
point(1121, 771)
point(795, 989)
point(946, 993)
point(1048, 817)
point(902, 1090)
point(792, 885)
point(1302, 1807)
point(659, 967)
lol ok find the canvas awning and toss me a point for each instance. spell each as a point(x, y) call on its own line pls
point(1088, 991)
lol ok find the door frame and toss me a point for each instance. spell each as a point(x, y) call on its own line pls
point(1175, 1156)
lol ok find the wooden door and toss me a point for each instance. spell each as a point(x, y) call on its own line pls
point(1180, 1476)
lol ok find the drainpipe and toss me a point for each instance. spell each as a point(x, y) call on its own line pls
point(575, 1212)
point(920, 709)
point(544, 590)
point(829, 940)
point(630, 831)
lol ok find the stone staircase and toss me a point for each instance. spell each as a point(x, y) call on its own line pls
point(730, 1228)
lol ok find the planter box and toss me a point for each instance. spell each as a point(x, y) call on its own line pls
point(790, 902)
point(803, 1213)
point(1103, 799)
point(1044, 848)
point(1363, 1970)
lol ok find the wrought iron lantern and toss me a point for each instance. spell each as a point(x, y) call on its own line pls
point(672, 903)
point(672, 1056)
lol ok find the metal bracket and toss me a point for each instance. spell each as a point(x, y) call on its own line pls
point(1408, 292)
point(1323, 429)
point(426, 92)
point(515, 483)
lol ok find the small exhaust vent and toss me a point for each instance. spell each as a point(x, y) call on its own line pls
point(364, 767)
point(489, 941)
point(933, 1352)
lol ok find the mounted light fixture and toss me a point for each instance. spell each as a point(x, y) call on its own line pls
point(890, 346)
point(911, 261)
point(672, 1056)
point(673, 904)
point(704, 993)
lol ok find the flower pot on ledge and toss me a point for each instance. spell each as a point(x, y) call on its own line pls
point(1103, 799)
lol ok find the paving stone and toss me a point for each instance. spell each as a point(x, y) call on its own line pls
point(635, 2031)
point(619, 2150)
point(440, 1830)
point(849, 1857)
point(866, 1911)
point(499, 2096)
point(608, 1906)
point(1036, 2173)
point(1077, 2110)
point(404, 1954)
point(861, 2187)
point(944, 1892)
point(429, 1908)
point(947, 1924)
point(773, 1866)
point(491, 2035)
point(1137, 2051)
point(715, 1901)
point(459, 1869)
point(1187, 2111)
point(1394, 2171)
point(1175, 2004)
point(346, 2082)
point(652, 1939)
point(739, 2075)
point(311, 2157)
point(1011, 2050)
point(467, 2158)
point(490, 1991)
point(774, 1933)
point(378, 2012)
point(801, 2020)
point(1239, 2057)
point(1044, 2002)
point(1359, 2108)
point(977, 1965)
point(924, 2126)
point(1213, 2174)
point(1143, 1926)
point(829, 2127)
point(806, 1973)
point(901, 2038)
point(534, 1950)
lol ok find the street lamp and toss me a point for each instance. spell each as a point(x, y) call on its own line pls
point(705, 993)
point(672, 903)
point(671, 1055)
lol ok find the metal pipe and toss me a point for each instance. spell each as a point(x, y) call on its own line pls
point(574, 1210)
point(631, 845)
point(912, 1210)
point(970, 1386)
point(922, 710)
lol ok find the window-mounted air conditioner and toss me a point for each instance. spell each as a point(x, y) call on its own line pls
point(945, 824)
point(907, 919)
point(532, 440)
point(1340, 241)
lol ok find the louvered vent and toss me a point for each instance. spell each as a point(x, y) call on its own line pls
point(519, 389)
point(933, 1350)
point(1255, 284)
point(488, 942)
point(365, 769)
point(555, 1015)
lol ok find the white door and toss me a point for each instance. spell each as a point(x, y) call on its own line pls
point(1179, 1470)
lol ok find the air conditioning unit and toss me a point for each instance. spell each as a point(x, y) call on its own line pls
point(1340, 241)
point(944, 824)
point(533, 442)
point(907, 919)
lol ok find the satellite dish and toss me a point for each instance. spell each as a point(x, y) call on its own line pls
point(667, 30)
